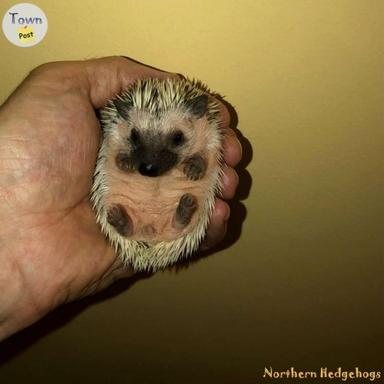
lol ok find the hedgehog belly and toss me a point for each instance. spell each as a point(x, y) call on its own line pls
point(150, 205)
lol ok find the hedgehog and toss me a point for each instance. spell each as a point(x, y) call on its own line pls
point(158, 170)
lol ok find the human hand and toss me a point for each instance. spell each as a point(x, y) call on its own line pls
point(51, 249)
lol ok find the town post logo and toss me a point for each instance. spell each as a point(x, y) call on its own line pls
point(25, 25)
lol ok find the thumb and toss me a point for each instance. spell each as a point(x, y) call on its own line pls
point(98, 79)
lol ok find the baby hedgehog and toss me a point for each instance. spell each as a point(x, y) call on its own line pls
point(158, 170)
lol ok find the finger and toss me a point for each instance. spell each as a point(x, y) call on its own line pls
point(109, 76)
point(225, 117)
point(99, 79)
point(230, 182)
point(232, 148)
point(218, 225)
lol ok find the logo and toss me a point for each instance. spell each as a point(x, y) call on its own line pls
point(25, 25)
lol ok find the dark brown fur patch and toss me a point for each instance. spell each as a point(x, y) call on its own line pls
point(185, 210)
point(123, 161)
point(118, 217)
point(195, 167)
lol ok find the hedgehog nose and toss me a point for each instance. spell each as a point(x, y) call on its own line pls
point(148, 170)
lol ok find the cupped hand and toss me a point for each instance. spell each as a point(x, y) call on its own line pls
point(51, 248)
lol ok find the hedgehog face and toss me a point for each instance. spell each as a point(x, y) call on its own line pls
point(152, 152)
point(154, 143)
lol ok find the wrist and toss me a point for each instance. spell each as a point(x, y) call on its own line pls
point(26, 295)
point(12, 294)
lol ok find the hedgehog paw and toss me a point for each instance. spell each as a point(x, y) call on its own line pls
point(195, 167)
point(118, 217)
point(185, 210)
point(123, 162)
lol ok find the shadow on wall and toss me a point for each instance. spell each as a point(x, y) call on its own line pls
point(11, 347)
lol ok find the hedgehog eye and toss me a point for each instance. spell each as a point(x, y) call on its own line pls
point(135, 137)
point(177, 138)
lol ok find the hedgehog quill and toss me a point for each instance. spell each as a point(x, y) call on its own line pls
point(158, 170)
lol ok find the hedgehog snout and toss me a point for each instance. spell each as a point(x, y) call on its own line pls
point(155, 164)
point(148, 170)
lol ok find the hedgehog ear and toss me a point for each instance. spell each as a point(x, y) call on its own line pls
point(122, 107)
point(199, 105)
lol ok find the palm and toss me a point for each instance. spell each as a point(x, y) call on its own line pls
point(63, 151)
point(57, 157)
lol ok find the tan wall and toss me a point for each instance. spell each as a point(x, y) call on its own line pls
point(302, 286)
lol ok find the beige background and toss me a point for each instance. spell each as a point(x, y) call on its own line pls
point(302, 284)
